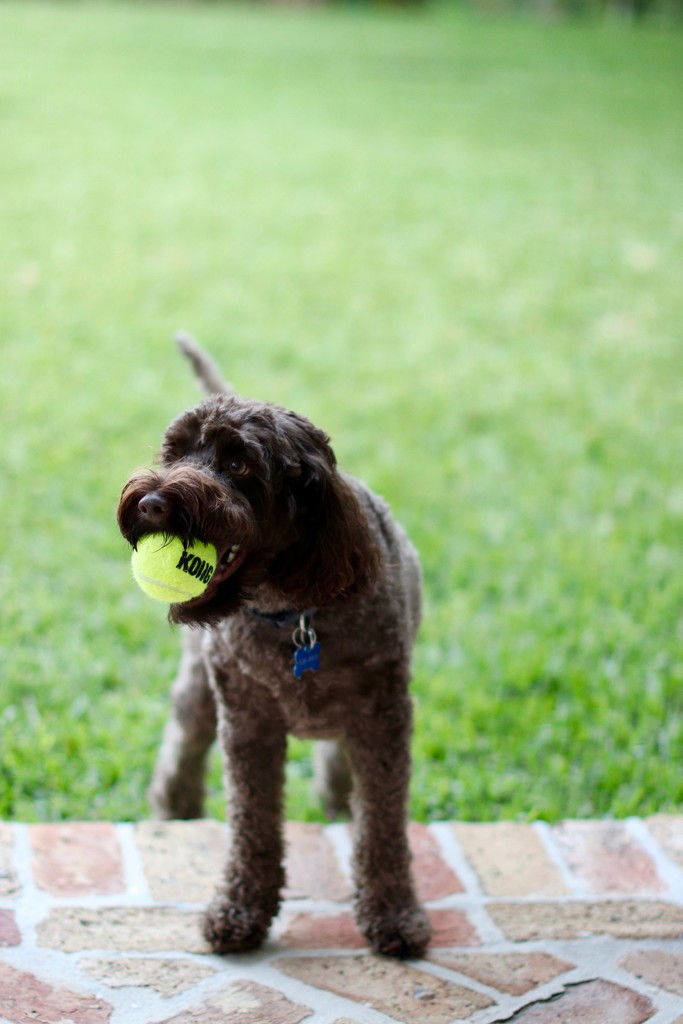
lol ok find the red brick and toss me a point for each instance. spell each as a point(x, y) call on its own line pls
point(309, 931)
point(514, 973)
point(589, 1002)
point(510, 859)
point(243, 1002)
point(25, 999)
point(433, 877)
point(77, 859)
point(311, 865)
point(403, 992)
point(339, 931)
point(9, 884)
point(605, 858)
point(668, 831)
point(623, 919)
point(9, 933)
point(452, 928)
point(657, 967)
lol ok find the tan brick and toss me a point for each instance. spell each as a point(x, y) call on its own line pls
point(668, 831)
point(25, 999)
point(129, 929)
point(433, 877)
point(185, 860)
point(182, 860)
point(77, 859)
point(403, 992)
point(657, 967)
point(510, 859)
point(311, 865)
point(605, 858)
point(589, 1002)
point(514, 973)
point(9, 883)
point(9, 933)
point(244, 1002)
point(623, 919)
point(452, 928)
point(167, 977)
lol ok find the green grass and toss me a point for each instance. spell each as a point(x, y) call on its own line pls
point(453, 242)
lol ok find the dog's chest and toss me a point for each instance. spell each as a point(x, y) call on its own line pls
point(257, 664)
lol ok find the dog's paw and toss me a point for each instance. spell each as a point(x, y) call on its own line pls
point(233, 927)
point(174, 802)
point(403, 933)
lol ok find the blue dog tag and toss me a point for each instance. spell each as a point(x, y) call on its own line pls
point(306, 659)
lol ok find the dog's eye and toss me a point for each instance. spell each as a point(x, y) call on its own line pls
point(237, 466)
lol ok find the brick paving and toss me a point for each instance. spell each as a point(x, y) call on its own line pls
point(576, 923)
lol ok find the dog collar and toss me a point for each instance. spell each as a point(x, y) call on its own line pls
point(281, 620)
point(304, 639)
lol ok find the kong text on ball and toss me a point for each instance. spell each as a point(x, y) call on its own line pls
point(168, 570)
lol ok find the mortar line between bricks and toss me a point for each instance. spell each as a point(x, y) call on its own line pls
point(605, 898)
point(545, 833)
point(21, 854)
point(133, 870)
point(341, 843)
point(463, 902)
point(452, 974)
point(314, 907)
point(670, 873)
point(31, 904)
point(454, 856)
point(665, 1016)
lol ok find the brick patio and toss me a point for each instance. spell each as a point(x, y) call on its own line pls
point(580, 922)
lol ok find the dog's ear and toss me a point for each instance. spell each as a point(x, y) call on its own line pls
point(335, 554)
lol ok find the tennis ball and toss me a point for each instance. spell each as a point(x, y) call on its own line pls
point(168, 570)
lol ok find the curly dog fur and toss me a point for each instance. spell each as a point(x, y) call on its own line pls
point(293, 535)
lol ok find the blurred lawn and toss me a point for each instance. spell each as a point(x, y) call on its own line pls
point(453, 242)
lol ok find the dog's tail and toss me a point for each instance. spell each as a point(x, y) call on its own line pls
point(208, 374)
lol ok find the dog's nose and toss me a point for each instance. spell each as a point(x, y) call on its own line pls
point(155, 508)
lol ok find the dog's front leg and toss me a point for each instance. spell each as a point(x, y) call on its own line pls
point(387, 910)
point(253, 742)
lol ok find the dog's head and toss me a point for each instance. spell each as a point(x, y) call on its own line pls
point(262, 485)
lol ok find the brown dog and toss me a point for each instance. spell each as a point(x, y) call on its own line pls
point(306, 628)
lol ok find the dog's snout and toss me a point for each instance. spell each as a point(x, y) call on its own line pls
point(155, 508)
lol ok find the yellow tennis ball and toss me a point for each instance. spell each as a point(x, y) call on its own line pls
point(169, 571)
